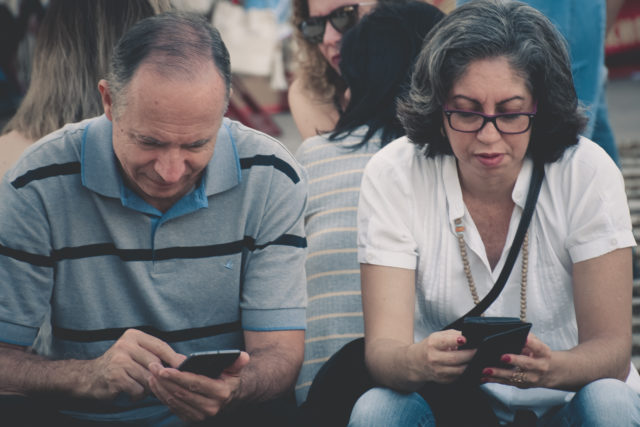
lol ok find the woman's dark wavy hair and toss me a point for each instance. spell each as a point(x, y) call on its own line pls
point(489, 29)
point(377, 59)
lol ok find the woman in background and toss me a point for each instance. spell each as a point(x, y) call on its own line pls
point(378, 55)
point(317, 94)
point(73, 49)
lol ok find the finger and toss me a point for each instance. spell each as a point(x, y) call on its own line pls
point(189, 381)
point(449, 339)
point(155, 349)
point(202, 395)
point(139, 377)
point(236, 367)
point(173, 401)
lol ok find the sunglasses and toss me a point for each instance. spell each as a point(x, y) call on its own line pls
point(342, 19)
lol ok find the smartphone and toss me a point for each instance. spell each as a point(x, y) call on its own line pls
point(476, 329)
point(492, 348)
point(209, 363)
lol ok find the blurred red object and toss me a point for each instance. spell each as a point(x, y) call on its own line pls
point(622, 47)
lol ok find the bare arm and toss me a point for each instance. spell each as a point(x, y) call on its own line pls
point(602, 299)
point(123, 368)
point(310, 116)
point(268, 370)
point(388, 298)
point(276, 358)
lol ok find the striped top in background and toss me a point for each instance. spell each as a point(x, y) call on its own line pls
point(334, 311)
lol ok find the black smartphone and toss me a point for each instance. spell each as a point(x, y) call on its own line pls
point(209, 363)
point(476, 329)
point(492, 348)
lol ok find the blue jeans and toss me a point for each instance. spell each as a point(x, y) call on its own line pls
point(385, 408)
point(604, 402)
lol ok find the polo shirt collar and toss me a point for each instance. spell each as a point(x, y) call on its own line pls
point(101, 174)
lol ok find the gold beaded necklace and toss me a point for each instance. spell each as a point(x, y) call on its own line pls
point(472, 284)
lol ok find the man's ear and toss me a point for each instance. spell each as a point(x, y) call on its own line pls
point(107, 101)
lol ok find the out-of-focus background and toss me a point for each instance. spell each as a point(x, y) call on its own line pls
point(258, 35)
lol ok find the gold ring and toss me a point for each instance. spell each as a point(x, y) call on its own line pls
point(518, 376)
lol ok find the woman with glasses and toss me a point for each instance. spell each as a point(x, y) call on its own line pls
point(491, 99)
point(317, 94)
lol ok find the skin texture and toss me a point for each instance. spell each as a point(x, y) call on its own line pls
point(330, 46)
point(602, 285)
point(488, 161)
point(163, 136)
point(166, 139)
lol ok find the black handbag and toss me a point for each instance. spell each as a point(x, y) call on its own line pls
point(344, 377)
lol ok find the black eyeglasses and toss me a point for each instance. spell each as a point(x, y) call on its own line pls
point(342, 19)
point(472, 121)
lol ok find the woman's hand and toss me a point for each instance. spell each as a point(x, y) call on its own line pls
point(529, 369)
point(437, 357)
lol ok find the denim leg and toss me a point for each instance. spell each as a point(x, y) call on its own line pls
point(605, 402)
point(384, 407)
point(602, 132)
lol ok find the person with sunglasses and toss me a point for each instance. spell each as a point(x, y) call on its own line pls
point(491, 100)
point(318, 93)
point(379, 53)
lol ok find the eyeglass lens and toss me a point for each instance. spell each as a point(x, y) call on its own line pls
point(463, 121)
point(341, 19)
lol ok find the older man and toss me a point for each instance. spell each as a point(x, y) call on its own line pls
point(159, 229)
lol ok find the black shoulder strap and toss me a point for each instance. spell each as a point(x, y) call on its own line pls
point(534, 188)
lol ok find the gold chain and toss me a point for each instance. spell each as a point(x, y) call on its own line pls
point(472, 284)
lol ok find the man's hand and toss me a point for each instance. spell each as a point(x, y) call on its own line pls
point(125, 366)
point(268, 370)
point(195, 397)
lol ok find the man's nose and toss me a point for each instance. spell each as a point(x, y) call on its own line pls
point(170, 165)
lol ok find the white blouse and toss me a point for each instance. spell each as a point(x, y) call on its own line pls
point(407, 208)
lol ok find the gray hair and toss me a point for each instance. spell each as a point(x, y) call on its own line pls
point(187, 39)
point(488, 29)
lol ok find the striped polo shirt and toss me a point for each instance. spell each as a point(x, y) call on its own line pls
point(229, 256)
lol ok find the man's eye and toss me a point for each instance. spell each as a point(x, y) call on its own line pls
point(197, 145)
point(147, 143)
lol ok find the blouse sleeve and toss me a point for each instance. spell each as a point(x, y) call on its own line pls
point(385, 212)
point(597, 211)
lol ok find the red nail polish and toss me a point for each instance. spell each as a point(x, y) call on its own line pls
point(460, 340)
point(487, 372)
point(505, 359)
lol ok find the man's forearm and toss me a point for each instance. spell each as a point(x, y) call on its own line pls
point(271, 372)
point(275, 361)
point(25, 373)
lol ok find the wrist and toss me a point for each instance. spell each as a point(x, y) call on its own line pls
point(415, 373)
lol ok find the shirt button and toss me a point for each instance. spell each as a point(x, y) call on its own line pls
point(614, 242)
